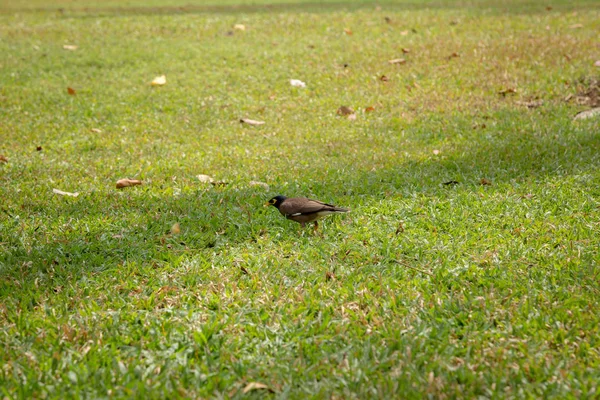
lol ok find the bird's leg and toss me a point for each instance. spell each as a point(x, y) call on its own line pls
point(316, 228)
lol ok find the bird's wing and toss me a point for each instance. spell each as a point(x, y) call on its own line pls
point(303, 206)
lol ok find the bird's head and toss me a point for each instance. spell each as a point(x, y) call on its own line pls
point(275, 201)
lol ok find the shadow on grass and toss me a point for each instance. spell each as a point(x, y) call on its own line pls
point(106, 231)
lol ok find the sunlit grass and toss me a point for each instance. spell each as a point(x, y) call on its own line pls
point(424, 289)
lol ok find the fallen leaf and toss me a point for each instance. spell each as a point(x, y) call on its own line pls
point(576, 26)
point(251, 121)
point(588, 113)
point(597, 63)
point(405, 51)
point(3, 159)
point(506, 91)
point(159, 80)
point(96, 130)
point(60, 192)
point(175, 229)
point(548, 8)
point(257, 183)
point(343, 110)
point(436, 152)
point(485, 182)
point(453, 55)
point(123, 183)
point(400, 228)
point(530, 104)
point(370, 109)
point(69, 47)
point(348, 31)
point(297, 83)
point(397, 61)
point(256, 386)
point(384, 78)
point(329, 276)
point(449, 183)
point(239, 27)
point(38, 148)
point(388, 20)
point(205, 178)
point(71, 91)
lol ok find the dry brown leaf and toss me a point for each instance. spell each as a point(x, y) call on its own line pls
point(123, 183)
point(384, 78)
point(71, 91)
point(175, 229)
point(70, 47)
point(3, 159)
point(60, 192)
point(239, 27)
point(251, 121)
point(400, 228)
point(405, 51)
point(397, 61)
point(388, 20)
point(344, 110)
point(329, 276)
point(38, 148)
point(588, 113)
point(370, 109)
point(576, 26)
point(96, 130)
point(485, 182)
point(453, 55)
point(159, 81)
point(256, 386)
point(506, 91)
point(348, 31)
point(531, 104)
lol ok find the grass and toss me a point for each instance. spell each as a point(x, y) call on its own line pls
point(424, 290)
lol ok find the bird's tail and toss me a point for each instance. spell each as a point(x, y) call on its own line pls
point(340, 209)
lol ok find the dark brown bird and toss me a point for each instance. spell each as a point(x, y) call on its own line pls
point(303, 210)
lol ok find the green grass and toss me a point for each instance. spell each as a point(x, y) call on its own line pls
point(440, 291)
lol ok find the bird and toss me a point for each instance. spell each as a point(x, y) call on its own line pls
point(303, 210)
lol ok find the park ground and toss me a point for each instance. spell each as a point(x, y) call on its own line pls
point(468, 267)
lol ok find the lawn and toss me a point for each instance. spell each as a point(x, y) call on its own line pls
point(469, 266)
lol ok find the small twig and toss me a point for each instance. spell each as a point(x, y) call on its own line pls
point(411, 267)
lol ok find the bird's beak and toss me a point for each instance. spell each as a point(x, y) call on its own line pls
point(267, 204)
